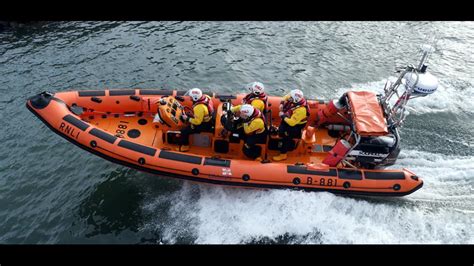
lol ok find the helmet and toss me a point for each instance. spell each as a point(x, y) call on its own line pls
point(246, 111)
point(256, 88)
point(195, 94)
point(296, 95)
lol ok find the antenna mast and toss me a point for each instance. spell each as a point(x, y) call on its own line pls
point(416, 81)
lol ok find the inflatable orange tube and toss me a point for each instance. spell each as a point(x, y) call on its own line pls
point(118, 125)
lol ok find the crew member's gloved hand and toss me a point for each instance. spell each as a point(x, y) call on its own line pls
point(184, 118)
point(273, 130)
point(283, 115)
point(229, 112)
point(179, 98)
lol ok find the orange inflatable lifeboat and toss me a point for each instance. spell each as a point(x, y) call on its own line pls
point(343, 149)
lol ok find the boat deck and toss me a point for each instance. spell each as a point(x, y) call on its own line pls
point(142, 130)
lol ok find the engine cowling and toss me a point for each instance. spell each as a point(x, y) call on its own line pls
point(372, 152)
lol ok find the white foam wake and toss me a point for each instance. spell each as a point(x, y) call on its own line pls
point(446, 177)
point(449, 97)
point(441, 212)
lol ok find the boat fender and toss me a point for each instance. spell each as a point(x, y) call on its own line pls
point(93, 144)
point(141, 160)
point(337, 153)
point(195, 171)
point(396, 187)
point(246, 177)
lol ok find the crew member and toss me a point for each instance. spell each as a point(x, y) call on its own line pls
point(201, 120)
point(257, 97)
point(294, 112)
point(251, 130)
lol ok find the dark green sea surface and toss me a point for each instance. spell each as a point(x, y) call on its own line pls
point(53, 192)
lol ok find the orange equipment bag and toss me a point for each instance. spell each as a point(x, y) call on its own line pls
point(367, 114)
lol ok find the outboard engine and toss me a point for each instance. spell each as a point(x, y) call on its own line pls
point(372, 152)
point(376, 119)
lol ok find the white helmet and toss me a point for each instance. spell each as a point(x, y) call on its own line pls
point(246, 111)
point(195, 94)
point(296, 95)
point(256, 88)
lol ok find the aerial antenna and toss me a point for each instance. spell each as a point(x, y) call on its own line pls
point(394, 55)
point(415, 81)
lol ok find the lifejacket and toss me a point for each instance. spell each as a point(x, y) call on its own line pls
point(256, 114)
point(289, 107)
point(248, 99)
point(206, 100)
